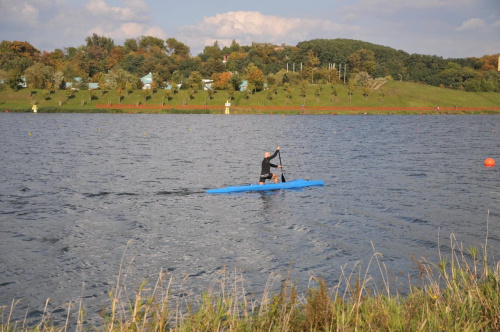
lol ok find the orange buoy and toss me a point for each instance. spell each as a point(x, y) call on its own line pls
point(489, 162)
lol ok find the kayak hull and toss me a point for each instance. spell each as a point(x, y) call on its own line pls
point(300, 183)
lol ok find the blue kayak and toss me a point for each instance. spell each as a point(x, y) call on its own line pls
point(271, 186)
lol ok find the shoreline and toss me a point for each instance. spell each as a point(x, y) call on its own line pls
point(263, 110)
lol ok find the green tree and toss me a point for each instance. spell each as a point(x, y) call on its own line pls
point(317, 93)
point(177, 48)
point(102, 84)
point(91, 95)
point(168, 94)
point(151, 44)
point(39, 75)
point(175, 87)
point(230, 91)
point(311, 65)
point(334, 92)
point(99, 41)
point(14, 79)
point(58, 79)
point(130, 45)
point(303, 91)
point(256, 77)
point(289, 91)
point(366, 91)
point(176, 77)
point(68, 93)
point(195, 80)
point(362, 60)
point(146, 93)
point(212, 52)
point(211, 66)
point(210, 93)
point(128, 87)
point(350, 88)
point(270, 94)
point(191, 93)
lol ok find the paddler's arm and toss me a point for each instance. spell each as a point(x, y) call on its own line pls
point(275, 154)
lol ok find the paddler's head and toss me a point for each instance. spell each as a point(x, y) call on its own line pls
point(267, 154)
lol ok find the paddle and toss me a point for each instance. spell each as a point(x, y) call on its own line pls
point(282, 175)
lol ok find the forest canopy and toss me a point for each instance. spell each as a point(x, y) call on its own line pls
point(100, 60)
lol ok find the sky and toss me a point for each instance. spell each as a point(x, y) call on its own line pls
point(446, 28)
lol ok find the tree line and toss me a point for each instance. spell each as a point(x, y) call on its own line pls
point(329, 61)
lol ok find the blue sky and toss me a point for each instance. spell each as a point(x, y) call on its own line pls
point(447, 28)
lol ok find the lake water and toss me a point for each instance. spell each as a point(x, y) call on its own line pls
point(76, 188)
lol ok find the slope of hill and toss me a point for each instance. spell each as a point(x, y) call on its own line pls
point(390, 94)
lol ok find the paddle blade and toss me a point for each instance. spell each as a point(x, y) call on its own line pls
point(282, 177)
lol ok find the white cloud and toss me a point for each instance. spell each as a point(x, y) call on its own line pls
point(496, 24)
point(250, 26)
point(471, 24)
point(128, 30)
point(133, 11)
point(50, 24)
point(18, 13)
point(390, 7)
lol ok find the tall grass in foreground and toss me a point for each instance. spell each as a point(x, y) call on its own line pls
point(459, 293)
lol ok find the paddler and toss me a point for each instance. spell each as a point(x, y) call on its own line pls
point(265, 173)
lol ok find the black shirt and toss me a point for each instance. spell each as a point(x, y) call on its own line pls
point(266, 164)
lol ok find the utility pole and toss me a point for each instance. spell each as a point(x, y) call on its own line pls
point(345, 65)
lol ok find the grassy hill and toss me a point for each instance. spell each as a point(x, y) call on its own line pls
point(390, 94)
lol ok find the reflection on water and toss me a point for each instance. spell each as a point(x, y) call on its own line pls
point(81, 186)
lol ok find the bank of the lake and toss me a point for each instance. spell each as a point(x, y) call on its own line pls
point(390, 98)
point(462, 294)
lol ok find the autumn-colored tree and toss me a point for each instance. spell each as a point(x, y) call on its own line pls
point(221, 80)
point(115, 56)
point(490, 62)
point(51, 58)
point(24, 49)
